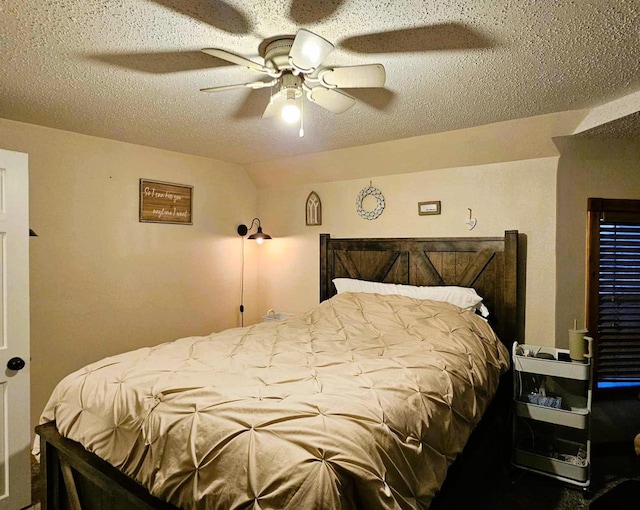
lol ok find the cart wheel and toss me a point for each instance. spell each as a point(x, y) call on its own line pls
point(587, 493)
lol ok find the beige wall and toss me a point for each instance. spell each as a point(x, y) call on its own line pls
point(503, 196)
point(513, 140)
point(591, 168)
point(587, 168)
point(101, 281)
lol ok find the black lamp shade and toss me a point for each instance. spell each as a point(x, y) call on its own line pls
point(259, 235)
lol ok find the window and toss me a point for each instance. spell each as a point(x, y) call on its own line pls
point(613, 292)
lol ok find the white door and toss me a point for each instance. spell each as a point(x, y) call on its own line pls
point(15, 433)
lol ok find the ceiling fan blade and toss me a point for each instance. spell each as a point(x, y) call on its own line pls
point(276, 102)
point(381, 99)
point(160, 62)
point(236, 59)
point(333, 100)
point(251, 85)
point(308, 51)
point(250, 104)
point(352, 77)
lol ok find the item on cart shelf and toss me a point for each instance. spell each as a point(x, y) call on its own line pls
point(578, 460)
point(543, 400)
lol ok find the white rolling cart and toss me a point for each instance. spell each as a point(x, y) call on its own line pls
point(552, 399)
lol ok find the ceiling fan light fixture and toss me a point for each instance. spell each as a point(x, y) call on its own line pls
point(290, 113)
point(308, 51)
point(312, 53)
point(291, 90)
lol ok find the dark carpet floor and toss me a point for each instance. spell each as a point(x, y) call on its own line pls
point(36, 482)
point(499, 486)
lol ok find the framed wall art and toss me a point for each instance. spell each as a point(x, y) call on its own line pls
point(428, 208)
point(165, 202)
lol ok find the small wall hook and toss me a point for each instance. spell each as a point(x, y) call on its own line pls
point(471, 222)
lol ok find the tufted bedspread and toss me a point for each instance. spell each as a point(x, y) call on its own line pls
point(362, 402)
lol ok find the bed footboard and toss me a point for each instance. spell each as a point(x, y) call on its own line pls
point(75, 479)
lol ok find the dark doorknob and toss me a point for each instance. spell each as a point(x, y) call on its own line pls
point(15, 364)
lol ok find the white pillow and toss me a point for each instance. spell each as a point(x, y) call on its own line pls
point(463, 297)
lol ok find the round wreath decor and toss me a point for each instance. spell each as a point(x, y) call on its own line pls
point(377, 194)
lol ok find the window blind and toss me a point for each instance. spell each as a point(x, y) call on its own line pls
point(618, 301)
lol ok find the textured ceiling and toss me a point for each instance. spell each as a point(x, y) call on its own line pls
point(131, 70)
point(627, 127)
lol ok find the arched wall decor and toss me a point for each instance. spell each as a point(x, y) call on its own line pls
point(313, 209)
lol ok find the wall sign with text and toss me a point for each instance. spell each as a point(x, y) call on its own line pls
point(428, 208)
point(165, 202)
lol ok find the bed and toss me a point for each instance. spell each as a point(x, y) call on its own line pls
point(364, 401)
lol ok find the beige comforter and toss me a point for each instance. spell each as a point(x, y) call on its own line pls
point(362, 402)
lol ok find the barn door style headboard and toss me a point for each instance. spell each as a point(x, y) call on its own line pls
point(488, 264)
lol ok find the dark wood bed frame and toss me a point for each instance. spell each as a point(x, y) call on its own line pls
point(75, 479)
point(488, 264)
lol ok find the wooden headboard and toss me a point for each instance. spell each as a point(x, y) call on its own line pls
point(488, 264)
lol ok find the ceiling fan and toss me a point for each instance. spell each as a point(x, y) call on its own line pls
point(293, 68)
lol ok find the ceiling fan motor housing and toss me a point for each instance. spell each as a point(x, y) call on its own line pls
point(276, 53)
